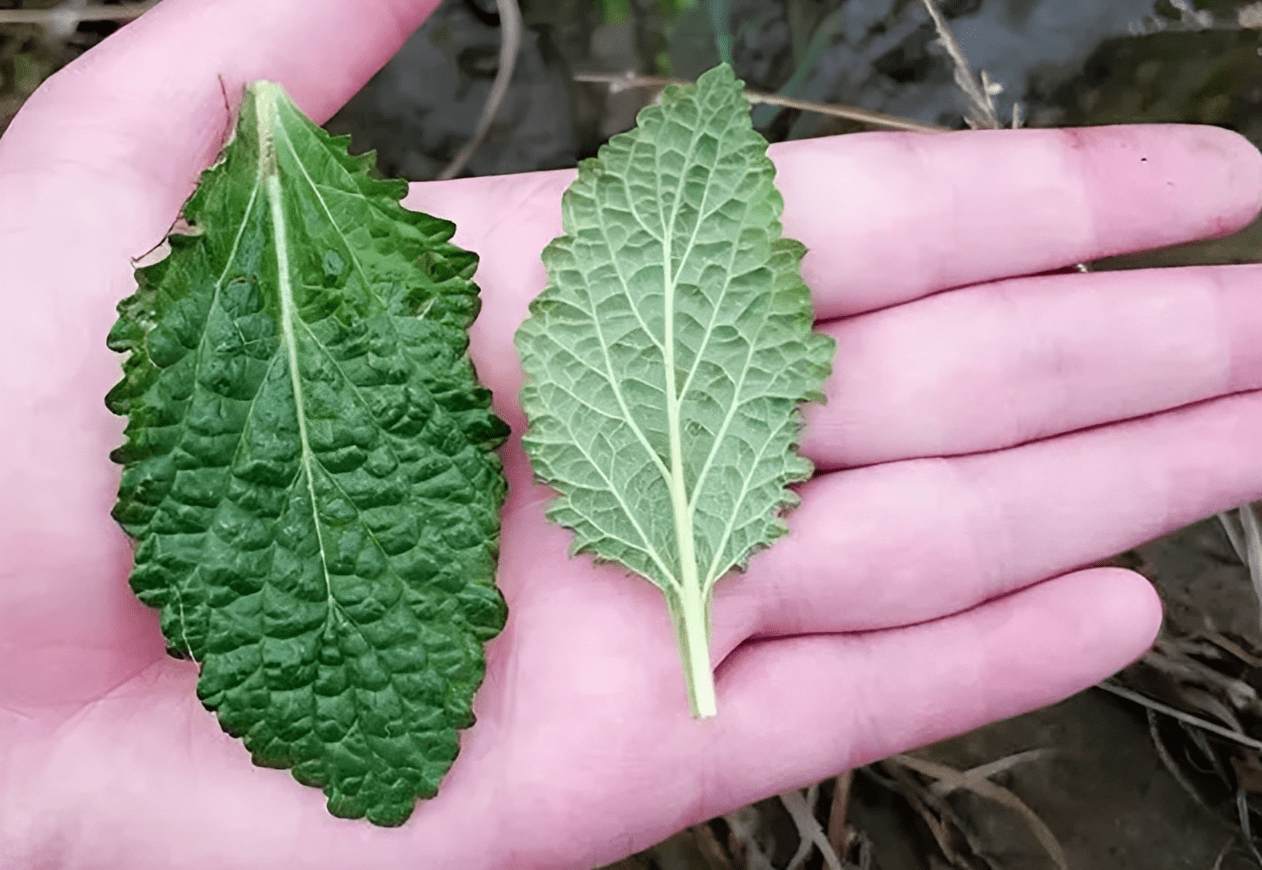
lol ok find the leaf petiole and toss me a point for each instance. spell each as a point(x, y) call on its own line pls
point(692, 623)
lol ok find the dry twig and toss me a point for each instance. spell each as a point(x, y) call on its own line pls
point(802, 810)
point(838, 832)
point(1222, 855)
point(1154, 733)
point(980, 92)
point(620, 81)
point(986, 771)
point(942, 822)
point(710, 848)
point(1227, 645)
point(743, 839)
point(510, 47)
point(1242, 811)
point(1203, 724)
point(997, 793)
point(1245, 534)
point(65, 14)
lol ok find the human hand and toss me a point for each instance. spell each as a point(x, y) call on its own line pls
point(997, 431)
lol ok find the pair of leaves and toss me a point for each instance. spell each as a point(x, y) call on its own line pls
point(310, 469)
point(309, 466)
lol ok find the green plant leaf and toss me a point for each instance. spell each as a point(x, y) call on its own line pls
point(309, 468)
point(666, 359)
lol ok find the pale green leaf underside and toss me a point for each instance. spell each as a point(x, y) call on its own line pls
point(668, 355)
point(309, 468)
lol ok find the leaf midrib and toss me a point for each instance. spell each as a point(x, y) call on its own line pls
point(268, 118)
point(684, 533)
point(683, 505)
point(270, 132)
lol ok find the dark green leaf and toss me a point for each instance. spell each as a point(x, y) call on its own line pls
point(309, 469)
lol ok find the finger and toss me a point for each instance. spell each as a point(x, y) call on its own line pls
point(144, 112)
point(1001, 364)
point(893, 217)
point(809, 707)
point(910, 541)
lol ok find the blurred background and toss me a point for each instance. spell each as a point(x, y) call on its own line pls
point(1161, 767)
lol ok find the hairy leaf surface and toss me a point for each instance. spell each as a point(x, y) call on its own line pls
point(668, 355)
point(309, 468)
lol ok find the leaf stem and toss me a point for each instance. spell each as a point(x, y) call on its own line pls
point(693, 625)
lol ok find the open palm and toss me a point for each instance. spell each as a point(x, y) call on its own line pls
point(996, 431)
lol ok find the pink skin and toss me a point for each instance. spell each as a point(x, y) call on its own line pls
point(1000, 432)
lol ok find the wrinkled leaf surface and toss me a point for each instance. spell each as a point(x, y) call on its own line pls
point(309, 470)
point(669, 353)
